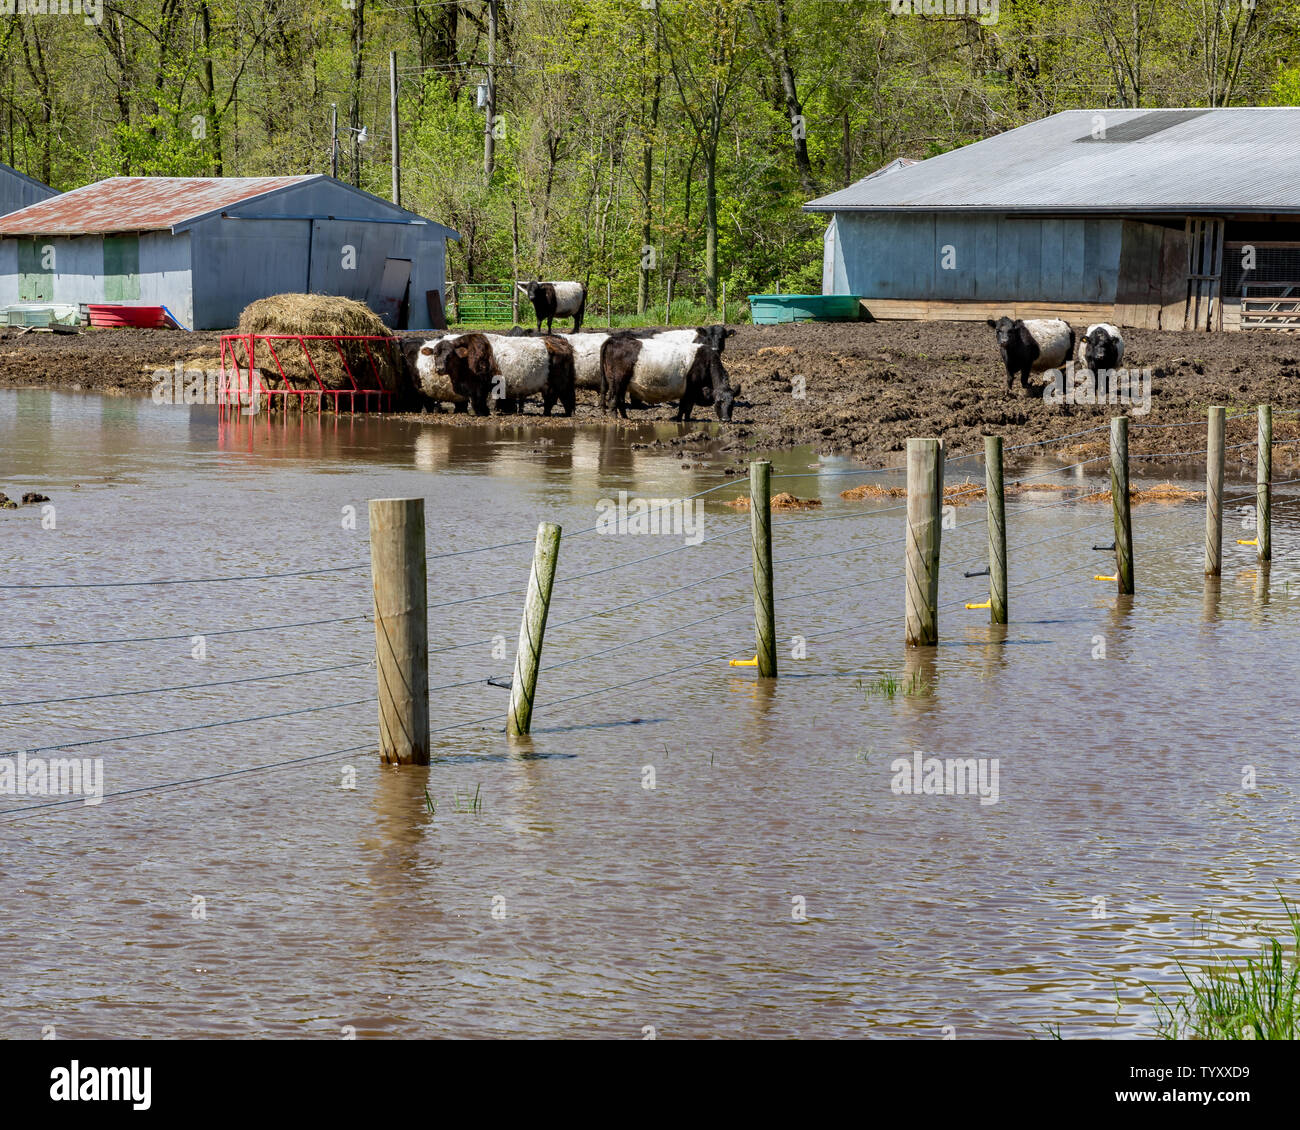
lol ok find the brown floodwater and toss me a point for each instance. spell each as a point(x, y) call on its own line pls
point(771, 883)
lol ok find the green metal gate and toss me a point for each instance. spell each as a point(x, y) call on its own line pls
point(484, 304)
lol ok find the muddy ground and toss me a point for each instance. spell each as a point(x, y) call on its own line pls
point(867, 386)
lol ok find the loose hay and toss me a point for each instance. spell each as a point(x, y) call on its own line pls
point(1165, 492)
point(782, 501)
point(322, 314)
point(872, 490)
point(955, 494)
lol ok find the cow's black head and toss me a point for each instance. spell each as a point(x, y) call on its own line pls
point(1006, 329)
point(441, 351)
point(715, 337)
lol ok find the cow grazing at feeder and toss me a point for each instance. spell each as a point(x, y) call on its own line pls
point(481, 369)
point(1100, 352)
point(1032, 345)
point(652, 372)
point(553, 300)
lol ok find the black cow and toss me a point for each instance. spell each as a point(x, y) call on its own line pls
point(553, 300)
point(1033, 345)
point(657, 371)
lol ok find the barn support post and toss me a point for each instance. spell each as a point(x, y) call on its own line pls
point(532, 630)
point(1214, 492)
point(1263, 485)
point(397, 570)
point(997, 529)
point(1119, 493)
point(924, 521)
point(760, 534)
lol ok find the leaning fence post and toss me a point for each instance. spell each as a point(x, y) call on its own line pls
point(924, 519)
point(1263, 481)
point(1120, 503)
point(997, 529)
point(1214, 493)
point(760, 534)
point(528, 656)
point(397, 570)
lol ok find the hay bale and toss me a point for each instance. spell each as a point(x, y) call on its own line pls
point(323, 314)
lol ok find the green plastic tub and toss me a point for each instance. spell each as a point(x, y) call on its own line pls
point(768, 309)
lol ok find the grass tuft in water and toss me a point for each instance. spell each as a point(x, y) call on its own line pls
point(1254, 999)
point(890, 686)
point(464, 802)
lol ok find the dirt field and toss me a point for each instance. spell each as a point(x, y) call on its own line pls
point(867, 386)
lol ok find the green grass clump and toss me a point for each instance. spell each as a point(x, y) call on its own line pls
point(890, 686)
point(1255, 999)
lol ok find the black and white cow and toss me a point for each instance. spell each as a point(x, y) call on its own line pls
point(652, 371)
point(1033, 345)
point(480, 369)
point(1100, 352)
point(553, 300)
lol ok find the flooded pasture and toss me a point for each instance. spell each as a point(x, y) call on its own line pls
point(770, 883)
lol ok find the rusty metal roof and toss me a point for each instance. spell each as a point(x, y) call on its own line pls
point(1234, 159)
point(131, 204)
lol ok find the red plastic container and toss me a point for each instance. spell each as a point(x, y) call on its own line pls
point(144, 317)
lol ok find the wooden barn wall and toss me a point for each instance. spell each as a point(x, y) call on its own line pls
point(999, 259)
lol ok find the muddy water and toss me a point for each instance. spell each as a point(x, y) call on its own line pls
point(772, 883)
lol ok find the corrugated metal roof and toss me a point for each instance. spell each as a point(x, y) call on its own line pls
point(127, 204)
point(1243, 159)
point(8, 170)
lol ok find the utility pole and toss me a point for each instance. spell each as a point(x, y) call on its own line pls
point(334, 140)
point(392, 112)
point(489, 138)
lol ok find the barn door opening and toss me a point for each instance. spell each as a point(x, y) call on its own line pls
point(1204, 274)
point(394, 291)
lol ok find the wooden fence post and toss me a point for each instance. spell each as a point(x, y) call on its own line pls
point(397, 570)
point(997, 529)
point(1263, 485)
point(760, 533)
point(1120, 503)
point(924, 522)
point(1214, 493)
point(532, 630)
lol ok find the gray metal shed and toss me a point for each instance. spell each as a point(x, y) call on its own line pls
point(205, 247)
point(18, 190)
point(1152, 218)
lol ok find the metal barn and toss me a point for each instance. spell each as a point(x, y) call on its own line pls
point(18, 190)
point(1173, 219)
point(205, 247)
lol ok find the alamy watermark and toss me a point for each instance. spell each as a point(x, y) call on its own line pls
point(1073, 385)
point(91, 10)
point(949, 776)
point(179, 385)
point(21, 775)
point(673, 517)
point(986, 11)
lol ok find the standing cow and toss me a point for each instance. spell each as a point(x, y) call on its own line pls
point(553, 300)
point(1033, 345)
point(1100, 352)
point(480, 368)
point(650, 371)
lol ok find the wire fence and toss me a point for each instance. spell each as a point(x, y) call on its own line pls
point(725, 582)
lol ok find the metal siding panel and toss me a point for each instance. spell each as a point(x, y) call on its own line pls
point(236, 262)
point(1052, 262)
point(955, 232)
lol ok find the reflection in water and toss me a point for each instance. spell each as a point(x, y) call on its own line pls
point(576, 900)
